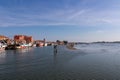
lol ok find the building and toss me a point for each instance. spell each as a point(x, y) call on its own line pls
point(23, 39)
point(28, 39)
point(41, 43)
point(2, 37)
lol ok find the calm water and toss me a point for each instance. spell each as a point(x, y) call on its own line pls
point(89, 62)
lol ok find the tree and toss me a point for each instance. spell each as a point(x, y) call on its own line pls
point(58, 41)
point(65, 42)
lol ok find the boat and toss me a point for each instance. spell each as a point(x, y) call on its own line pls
point(10, 47)
point(14, 47)
point(2, 47)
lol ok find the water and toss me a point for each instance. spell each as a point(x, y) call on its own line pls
point(89, 62)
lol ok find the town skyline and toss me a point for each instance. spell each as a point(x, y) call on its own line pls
point(71, 20)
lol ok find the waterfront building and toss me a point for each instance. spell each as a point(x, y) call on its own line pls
point(23, 39)
point(2, 37)
point(41, 43)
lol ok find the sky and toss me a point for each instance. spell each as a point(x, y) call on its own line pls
point(71, 20)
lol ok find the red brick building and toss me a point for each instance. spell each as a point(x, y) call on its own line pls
point(23, 39)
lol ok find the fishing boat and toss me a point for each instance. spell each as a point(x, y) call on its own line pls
point(15, 46)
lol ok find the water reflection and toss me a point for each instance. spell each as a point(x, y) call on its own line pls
point(2, 52)
point(2, 56)
point(23, 50)
point(55, 57)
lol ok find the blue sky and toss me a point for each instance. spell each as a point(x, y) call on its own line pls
point(72, 20)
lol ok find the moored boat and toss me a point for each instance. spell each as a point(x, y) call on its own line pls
point(15, 46)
